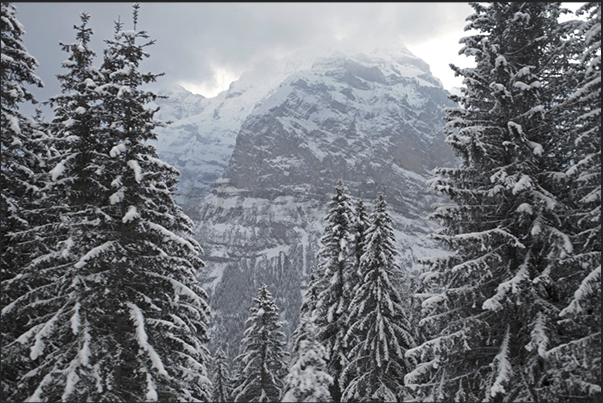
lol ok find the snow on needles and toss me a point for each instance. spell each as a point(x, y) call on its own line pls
point(118, 149)
point(495, 303)
point(586, 288)
point(504, 367)
point(141, 335)
point(38, 348)
point(58, 170)
point(136, 168)
point(172, 236)
point(131, 215)
point(94, 252)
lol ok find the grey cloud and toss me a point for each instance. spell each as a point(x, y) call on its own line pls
point(195, 38)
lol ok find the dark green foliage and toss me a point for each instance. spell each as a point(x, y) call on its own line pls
point(495, 303)
point(262, 365)
point(379, 330)
point(334, 276)
point(115, 311)
point(24, 147)
point(222, 382)
point(575, 356)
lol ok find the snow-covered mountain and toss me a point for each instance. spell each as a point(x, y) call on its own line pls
point(201, 137)
point(372, 120)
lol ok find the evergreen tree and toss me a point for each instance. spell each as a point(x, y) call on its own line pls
point(379, 328)
point(118, 313)
point(23, 146)
point(221, 381)
point(575, 355)
point(307, 380)
point(262, 366)
point(492, 309)
point(310, 298)
point(360, 227)
point(20, 141)
point(335, 270)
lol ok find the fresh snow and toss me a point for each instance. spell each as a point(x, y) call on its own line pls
point(151, 389)
point(169, 235)
point(504, 369)
point(75, 319)
point(584, 291)
point(58, 170)
point(117, 196)
point(130, 215)
point(141, 335)
point(38, 348)
point(136, 168)
point(93, 253)
point(118, 149)
point(495, 303)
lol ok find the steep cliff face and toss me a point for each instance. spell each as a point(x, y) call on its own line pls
point(201, 137)
point(371, 120)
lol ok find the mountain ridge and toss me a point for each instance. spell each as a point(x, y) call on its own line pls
point(372, 120)
point(202, 135)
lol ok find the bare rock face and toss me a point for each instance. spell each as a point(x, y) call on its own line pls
point(201, 136)
point(374, 121)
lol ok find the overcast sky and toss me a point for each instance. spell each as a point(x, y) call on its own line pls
point(205, 46)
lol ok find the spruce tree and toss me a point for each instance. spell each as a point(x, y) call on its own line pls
point(222, 380)
point(307, 380)
point(262, 365)
point(379, 330)
point(22, 144)
point(335, 270)
point(575, 354)
point(492, 307)
point(360, 226)
point(119, 314)
point(24, 148)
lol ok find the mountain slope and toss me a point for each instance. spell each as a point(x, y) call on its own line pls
point(201, 137)
point(372, 120)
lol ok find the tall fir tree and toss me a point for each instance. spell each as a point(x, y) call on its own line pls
point(575, 354)
point(361, 224)
point(222, 381)
point(307, 380)
point(120, 315)
point(23, 146)
point(379, 327)
point(262, 365)
point(335, 271)
point(493, 303)
point(22, 143)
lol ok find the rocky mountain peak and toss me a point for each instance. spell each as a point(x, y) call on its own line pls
point(284, 139)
